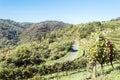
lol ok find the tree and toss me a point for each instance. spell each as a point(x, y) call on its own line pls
point(103, 51)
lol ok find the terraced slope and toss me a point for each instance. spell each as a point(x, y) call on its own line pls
point(114, 36)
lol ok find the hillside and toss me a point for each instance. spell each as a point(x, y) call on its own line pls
point(39, 30)
point(49, 51)
point(11, 32)
point(114, 36)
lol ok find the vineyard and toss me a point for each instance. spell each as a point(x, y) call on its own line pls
point(81, 73)
point(59, 40)
point(88, 51)
point(115, 38)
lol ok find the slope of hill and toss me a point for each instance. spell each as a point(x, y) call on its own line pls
point(39, 30)
point(12, 32)
point(9, 32)
point(114, 36)
point(47, 42)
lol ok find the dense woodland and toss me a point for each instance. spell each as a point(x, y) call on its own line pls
point(28, 50)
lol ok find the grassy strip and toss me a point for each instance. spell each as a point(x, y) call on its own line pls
point(58, 60)
point(80, 52)
point(67, 75)
point(108, 74)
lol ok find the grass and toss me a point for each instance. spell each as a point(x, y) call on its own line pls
point(80, 52)
point(108, 74)
point(58, 60)
point(67, 75)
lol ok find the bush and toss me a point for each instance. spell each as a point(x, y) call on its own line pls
point(37, 77)
point(65, 66)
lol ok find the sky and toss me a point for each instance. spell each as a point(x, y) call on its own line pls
point(70, 11)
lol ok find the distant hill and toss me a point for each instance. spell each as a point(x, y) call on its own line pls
point(11, 32)
point(38, 30)
point(117, 19)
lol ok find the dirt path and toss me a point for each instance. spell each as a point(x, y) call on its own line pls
point(74, 52)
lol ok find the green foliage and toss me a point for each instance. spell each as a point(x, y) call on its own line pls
point(65, 66)
point(38, 77)
point(60, 48)
point(39, 31)
point(17, 73)
point(103, 51)
point(23, 56)
point(89, 28)
point(9, 31)
point(48, 41)
point(13, 33)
